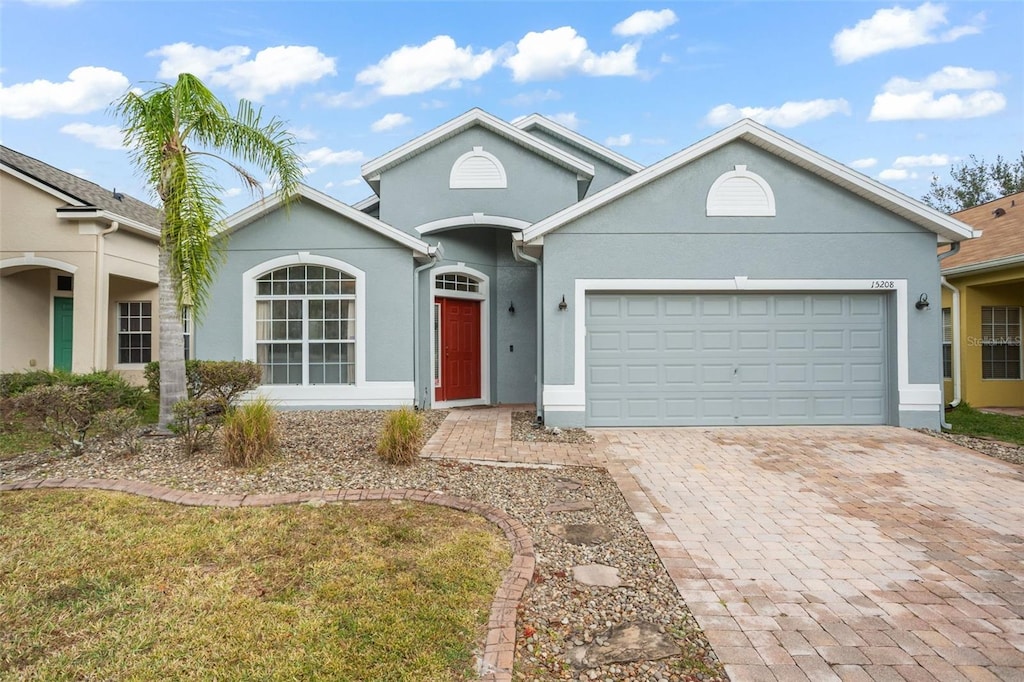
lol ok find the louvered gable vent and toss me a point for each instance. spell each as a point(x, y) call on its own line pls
point(478, 170)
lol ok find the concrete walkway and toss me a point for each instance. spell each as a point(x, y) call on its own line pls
point(868, 553)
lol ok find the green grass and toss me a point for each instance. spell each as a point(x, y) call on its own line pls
point(18, 441)
point(971, 422)
point(97, 585)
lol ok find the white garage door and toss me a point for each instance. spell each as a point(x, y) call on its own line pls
point(724, 359)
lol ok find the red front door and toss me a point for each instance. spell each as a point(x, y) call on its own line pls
point(459, 352)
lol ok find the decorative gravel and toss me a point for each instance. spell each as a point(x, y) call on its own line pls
point(335, 449)
point(525, 428)
point(1009, 452)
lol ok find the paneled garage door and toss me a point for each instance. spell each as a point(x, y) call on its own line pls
point(723, 359)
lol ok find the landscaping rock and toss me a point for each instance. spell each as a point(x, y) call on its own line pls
point(556, 507)
point(581, 533)
point(597, 574)
point(626, 643)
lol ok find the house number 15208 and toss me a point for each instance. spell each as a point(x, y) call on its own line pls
point(883, 284)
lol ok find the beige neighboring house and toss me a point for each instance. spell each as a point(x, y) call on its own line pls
point(78, 272)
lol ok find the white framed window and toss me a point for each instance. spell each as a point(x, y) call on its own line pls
point(134, 332)
point(453, 281)
point(437, 345)
point(1000, 342)
point(186, 330)
point(947, 343)
point(306, 325)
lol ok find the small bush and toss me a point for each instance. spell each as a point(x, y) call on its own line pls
point(15, 383)
point(223, 380)
point(66, 412)
point(400, 437)
point(250, 434)
point(122, 426)
point(196, 422)
point(113, 387)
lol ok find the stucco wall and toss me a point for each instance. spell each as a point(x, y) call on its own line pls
point(25, 312)
point(820, 232)
point(605, 174)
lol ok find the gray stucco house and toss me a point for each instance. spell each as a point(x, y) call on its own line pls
point(743, 280)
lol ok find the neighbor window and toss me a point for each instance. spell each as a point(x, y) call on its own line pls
point(306, 325)
point(1000, 342)
point(134, 332)
point(947, 343)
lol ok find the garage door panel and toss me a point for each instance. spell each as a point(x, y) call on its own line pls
point(686, 359)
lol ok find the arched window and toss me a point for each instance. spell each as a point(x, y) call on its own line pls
point(306, 325)
point(477, 170)
point(740, 193)
point(453, 281)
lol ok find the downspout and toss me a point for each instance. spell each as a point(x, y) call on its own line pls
point(519, 253)
point(435, 253)
point(954, 314)
point(101, 303)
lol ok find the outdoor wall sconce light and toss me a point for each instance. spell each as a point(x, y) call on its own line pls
point(922, 302)
point(563, 305)
point(511, 308)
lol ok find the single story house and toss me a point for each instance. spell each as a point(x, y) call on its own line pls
point(982, 302)
point(78, 272)
point(744, 280)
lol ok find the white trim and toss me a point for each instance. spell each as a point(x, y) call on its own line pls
point(363, 204)
point(457, 178)
point(39, 184)
point(264, 206)
point(32, 260)
point(912, 397)
point(472, 219)
point(779, 145)
point(372, 169)
point(369, 394)
point(92, 213)
point(483, 295)
point(717, 205)
point(532, 121)
point(994, 264)
point(304, 258)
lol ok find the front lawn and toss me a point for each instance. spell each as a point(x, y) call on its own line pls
point(97, 585)
point(971, 422)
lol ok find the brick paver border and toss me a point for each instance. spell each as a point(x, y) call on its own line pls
point(495, 664)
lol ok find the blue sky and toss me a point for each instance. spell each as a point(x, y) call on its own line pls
point(897, 90)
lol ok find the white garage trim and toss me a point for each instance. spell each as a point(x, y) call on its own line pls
point(912, 397)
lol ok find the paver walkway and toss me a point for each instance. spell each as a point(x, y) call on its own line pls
point(837, 553)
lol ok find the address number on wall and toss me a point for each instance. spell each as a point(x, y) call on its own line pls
point(883, 284)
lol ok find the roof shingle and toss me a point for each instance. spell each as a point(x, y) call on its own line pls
point(1002, 224)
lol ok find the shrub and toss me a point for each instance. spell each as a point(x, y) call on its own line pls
point(110, 385)
point(250, 434)
point(223, 380)
point(66, 412)
point(15, 383)
point(400, 437)
point(196, 422)
point(122, 426)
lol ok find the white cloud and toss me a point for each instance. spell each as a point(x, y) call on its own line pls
point(645, 22)
point(272, 70)
point(623, 140)
point(864, 163)
point(904, 99)
point(352, 182)
point(325, 156)
point(389, 122)
point(569, 119)
point(87, 88)
point(419, 68)
point(787, 115)
point(897, 28)
point(104, 137)
point(232, 192)
point(924, 160)
point(896, 174)
point(304, 133)
point(525, 99)
point(561, 51)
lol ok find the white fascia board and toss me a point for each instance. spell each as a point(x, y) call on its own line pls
point(89, 213)
point(371, 170)
point(767, 139)
point(39, 184)
point(527, 123)
point(994, 264)
point(265, 206)
point(366, 203)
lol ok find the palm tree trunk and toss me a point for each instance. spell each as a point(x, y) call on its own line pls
point(172, 345)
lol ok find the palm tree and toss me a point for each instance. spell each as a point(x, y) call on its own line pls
point(173, 133)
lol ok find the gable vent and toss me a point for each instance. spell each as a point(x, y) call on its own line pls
point(477, 170)
point(740, 193)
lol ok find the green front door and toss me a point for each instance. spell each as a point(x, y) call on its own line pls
point(63, 319)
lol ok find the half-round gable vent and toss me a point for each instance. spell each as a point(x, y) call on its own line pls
point(740, 193)
point(478, 170)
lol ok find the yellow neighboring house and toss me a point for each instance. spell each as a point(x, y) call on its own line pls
point(983, 308)
point(78, 272)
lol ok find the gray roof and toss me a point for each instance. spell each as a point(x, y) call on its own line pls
point(89, 193)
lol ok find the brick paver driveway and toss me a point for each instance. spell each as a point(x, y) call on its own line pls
point(866, 553)
point(836, 553)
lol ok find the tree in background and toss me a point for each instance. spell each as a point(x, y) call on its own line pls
point(174, 133)
point(976, 183)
